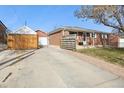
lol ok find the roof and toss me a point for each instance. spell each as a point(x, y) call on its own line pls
point(74, 29)
point(1, 23)
point(6, 29)
point(41, 31)
point(25, 30)
point(38, 30)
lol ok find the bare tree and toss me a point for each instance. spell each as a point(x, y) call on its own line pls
point(108, 15)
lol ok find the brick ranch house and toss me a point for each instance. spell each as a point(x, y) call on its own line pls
point(91, 37)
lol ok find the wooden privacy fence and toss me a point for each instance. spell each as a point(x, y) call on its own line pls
point(68, 42)
point(22, 41)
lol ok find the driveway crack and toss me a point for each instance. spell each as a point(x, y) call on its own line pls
point(106, 81)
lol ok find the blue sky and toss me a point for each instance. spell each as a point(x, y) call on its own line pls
point(44, 17)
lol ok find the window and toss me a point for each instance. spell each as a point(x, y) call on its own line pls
point(95, 35)
point(88, 34)
point(102, 35)
point(91, 35)
point(106, 36)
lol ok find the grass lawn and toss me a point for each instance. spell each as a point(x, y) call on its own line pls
point(112, 55)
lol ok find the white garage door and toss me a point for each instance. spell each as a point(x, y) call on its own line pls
point(121, 42)
point(43, 41)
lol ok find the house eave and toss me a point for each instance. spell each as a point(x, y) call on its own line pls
point(76, 30)
point(3, 24)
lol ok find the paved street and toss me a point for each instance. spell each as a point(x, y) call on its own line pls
point(52, 67)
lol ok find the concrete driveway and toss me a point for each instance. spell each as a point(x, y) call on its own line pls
point(53, 67)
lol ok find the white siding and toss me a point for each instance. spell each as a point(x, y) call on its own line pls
point(121, 42)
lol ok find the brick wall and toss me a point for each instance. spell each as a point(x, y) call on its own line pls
point(3, 37)
point(55, 38)
point(101, 40)
point(113, 39)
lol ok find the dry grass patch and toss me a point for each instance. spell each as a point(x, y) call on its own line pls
point(112, 55)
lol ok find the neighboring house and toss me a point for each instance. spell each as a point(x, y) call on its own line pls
point(83, 36)
point(116, 40)
point(3, 33)
point(25, 30)
point(42, 38)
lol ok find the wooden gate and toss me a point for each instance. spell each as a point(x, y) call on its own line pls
point(22, 41)
point(68, 42)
